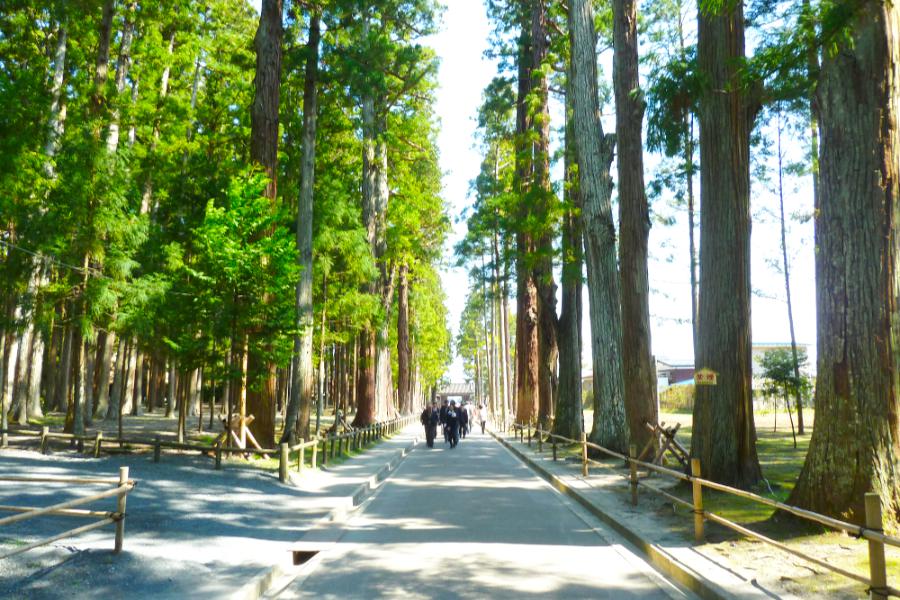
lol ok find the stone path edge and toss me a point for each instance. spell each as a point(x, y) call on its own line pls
point(261, 583)
point(657, 556)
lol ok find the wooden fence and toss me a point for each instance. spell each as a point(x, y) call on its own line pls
point(876, 582)
point(334, 444)
point(123, 485)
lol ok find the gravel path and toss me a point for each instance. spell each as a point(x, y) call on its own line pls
point(191, 531)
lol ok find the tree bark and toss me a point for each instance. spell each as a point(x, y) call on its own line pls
point(638, 367)
point(115, 398)
point(724, 435)
point(65, 371)
point(147, 194)
point(594, 151)
point(101, 68)
point(123, 64)
point(855, 446)
point(569, 417)
point(35, 376)
point(540, 201)
point(527, 311)
point(264, 151)
point(302, 388)
point(57, 118)
point(403, 348)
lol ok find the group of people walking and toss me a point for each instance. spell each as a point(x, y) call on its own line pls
point(454, 421)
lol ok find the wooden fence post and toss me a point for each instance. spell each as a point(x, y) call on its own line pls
point(584, 463)
point(529, 434)
point(120, 508)
point(877, 567)
point(324, 451)
point(301, 456)
point(698, 500)
point(156, 449)
point(44, 431)
point(540, 435)
point(218, 457)
point(315, 453)
point(98, 440)
point(283, 458)
point(632, 452)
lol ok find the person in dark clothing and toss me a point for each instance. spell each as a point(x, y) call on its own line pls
point(431, 416)
point(443, 419)
point(463, 421)
point(452, 424)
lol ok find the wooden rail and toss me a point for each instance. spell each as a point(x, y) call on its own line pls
point(120, 492)
point(340, 444)
point(334, 444)
point(878, 588)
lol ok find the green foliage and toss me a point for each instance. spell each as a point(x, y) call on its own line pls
point(778, 372)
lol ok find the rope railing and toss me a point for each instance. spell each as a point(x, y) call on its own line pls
point(872, 531)
point(67, 509)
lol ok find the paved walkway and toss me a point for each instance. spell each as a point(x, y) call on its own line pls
point(473, 522)
point(191, 531)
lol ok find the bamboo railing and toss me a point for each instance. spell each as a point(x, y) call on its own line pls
point(67, 509)
point(872, 532)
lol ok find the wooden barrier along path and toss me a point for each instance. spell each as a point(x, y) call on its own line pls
point(876, 582)
point(67, 509)
point(331, 445)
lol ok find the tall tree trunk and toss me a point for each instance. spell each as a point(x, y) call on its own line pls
point(855, 446)
point(634, 225)
point(692, 244)
point(500, 346)
point(115, 397)
point(527, 351)
point(375, 362)
point(798, 394)
point(302, 388)
point(724, 435)
point(90, 350)
point(128, 378)
point(569, 416)
point(101, 68)
point(264, 151)
point(36, 376)
point(123, 64)
point(65, 370)
point(147, 194)
point(594, 152)
point(51, 362)
point(403, 348)
point(541, 199)
point(57, 117)
point(507, 402)
point(384, 388)
point(170, 394)
point(137, 407)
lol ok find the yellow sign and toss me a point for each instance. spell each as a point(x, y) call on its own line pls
point(705, 376)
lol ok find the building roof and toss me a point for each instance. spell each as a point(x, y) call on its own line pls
point(457, 389)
